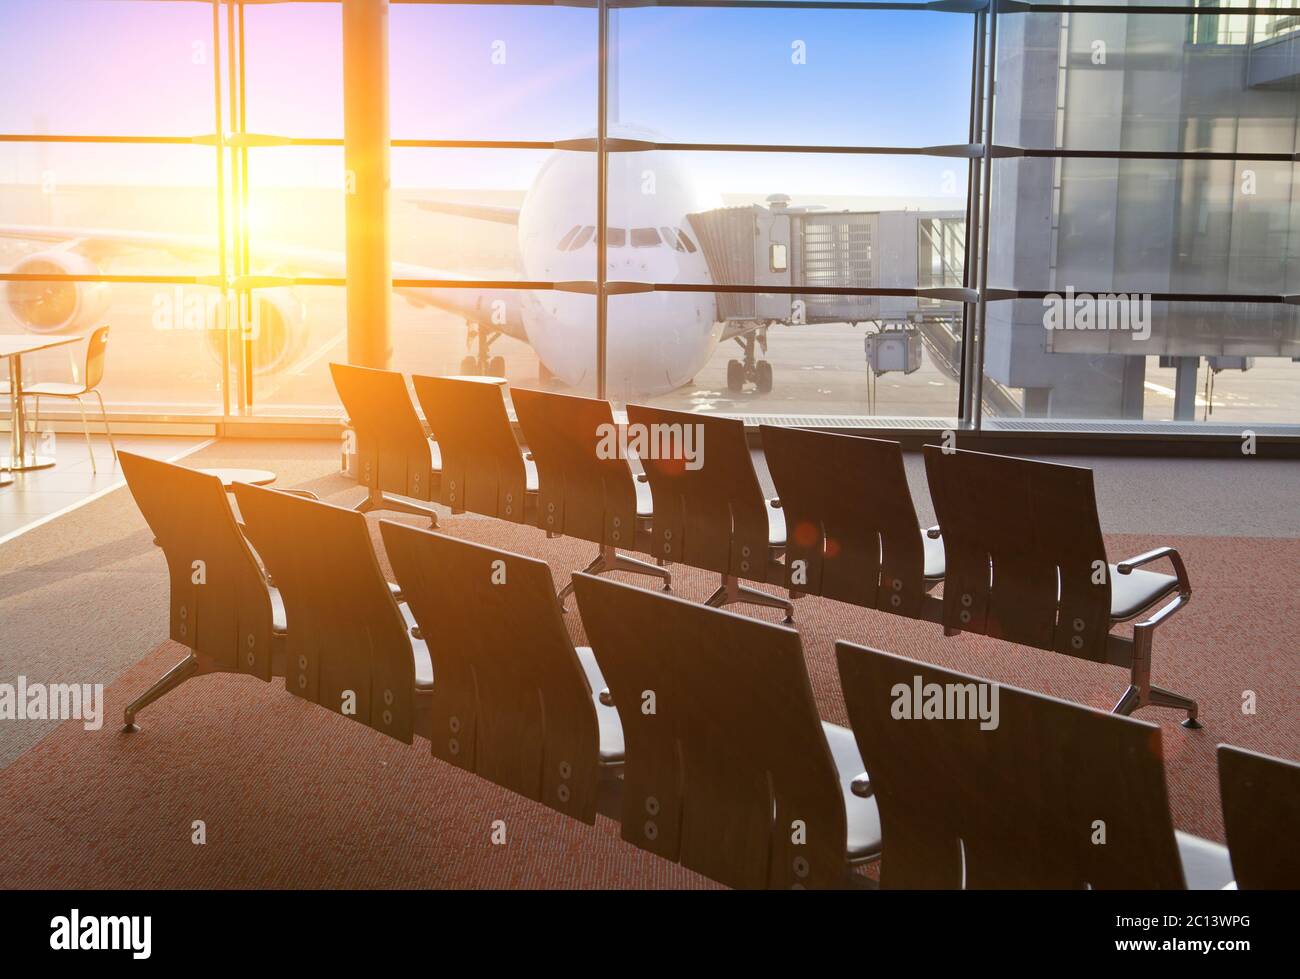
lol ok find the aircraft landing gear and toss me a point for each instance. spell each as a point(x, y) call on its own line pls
point(750, 369)
point(481, 363)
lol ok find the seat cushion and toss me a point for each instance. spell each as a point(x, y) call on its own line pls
point(935, 560)
point(775, 525)
point(1206, 865)
point(863, 814)
point(611, 728)
point(1131, 593)
point(55, 389)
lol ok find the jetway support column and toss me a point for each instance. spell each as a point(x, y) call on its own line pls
point(1185, 369)
point(366, 164)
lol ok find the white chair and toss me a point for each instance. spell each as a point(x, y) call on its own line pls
point(94, 373)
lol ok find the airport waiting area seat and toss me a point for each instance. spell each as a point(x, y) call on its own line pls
point(483, 469)
point(1021, 791)
point(349, 645)
point(729, 769)
point(585, 490)
point(1261, 813)
point(1025, 561)
point(852, 533)
point(710, 511)
point(396, 460)
point(514, 701)
point(223, 607)
point(695, 726)
point(1018, 547)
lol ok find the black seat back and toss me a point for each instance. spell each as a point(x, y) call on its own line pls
point(1054, 796)
point(727, 767)
point(1025, 557)
point(511, 701)
point(851, 529)
point(348, 647)
point(220, 603)
point(482, 464)
point(585, 491)
point(1261, 812)
point(392, 451)
point(711, 515)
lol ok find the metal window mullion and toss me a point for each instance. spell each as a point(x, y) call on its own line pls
point(969, 256)
point(238, 207)
point(986, 176)
point(246, 337)
point(219, 150)
point(602, 201)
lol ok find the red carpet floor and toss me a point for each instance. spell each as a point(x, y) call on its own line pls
point(292, 795)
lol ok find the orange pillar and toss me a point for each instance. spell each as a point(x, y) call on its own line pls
point(366, 162)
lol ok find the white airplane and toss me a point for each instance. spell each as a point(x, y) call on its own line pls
point(656, 341)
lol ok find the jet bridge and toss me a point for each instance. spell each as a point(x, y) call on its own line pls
point(816, 248)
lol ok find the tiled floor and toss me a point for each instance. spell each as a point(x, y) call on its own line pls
point(34, 496)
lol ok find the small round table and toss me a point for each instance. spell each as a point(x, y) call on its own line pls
point(228, 477)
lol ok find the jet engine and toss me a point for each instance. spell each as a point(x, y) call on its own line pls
point(57, 307)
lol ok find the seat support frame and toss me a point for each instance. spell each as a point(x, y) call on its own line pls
point(609, 559)
point(1141, 691)
point(731, 592)
point(379, 500)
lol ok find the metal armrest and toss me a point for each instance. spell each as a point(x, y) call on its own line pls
point(861, 787)
point(775, 504)
point(305, 493)
point(642, 478)
point(1176, 559)
point(1180, 570)
point(934, 533)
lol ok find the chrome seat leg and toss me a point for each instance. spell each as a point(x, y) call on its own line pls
point(170, 680)
point(732, 592)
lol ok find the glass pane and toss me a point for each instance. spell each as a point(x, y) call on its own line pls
point(85, 67)
point(860, 362)
point(133, 209)
point(1126, 358)
point(888, 78)
point(293, 88)
point(498, 72)
point(1104, 81)
point(165, 342)
point(1145, 225)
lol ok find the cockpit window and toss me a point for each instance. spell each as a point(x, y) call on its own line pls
point(583, 237)
point(686, 240)
point(645, 238)
point(671, 238)
point(616, 237)
point(564, 242)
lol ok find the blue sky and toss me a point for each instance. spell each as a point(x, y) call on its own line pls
point(131, 66)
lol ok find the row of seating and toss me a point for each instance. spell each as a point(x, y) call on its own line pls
point(1018, 548)
point(694, 726)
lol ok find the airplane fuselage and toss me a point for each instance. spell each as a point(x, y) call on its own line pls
point(656, 341)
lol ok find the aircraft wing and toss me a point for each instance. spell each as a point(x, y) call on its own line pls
point(501, 309)
point(478, 212)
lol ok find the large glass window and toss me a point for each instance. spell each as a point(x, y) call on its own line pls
point(801, 191)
